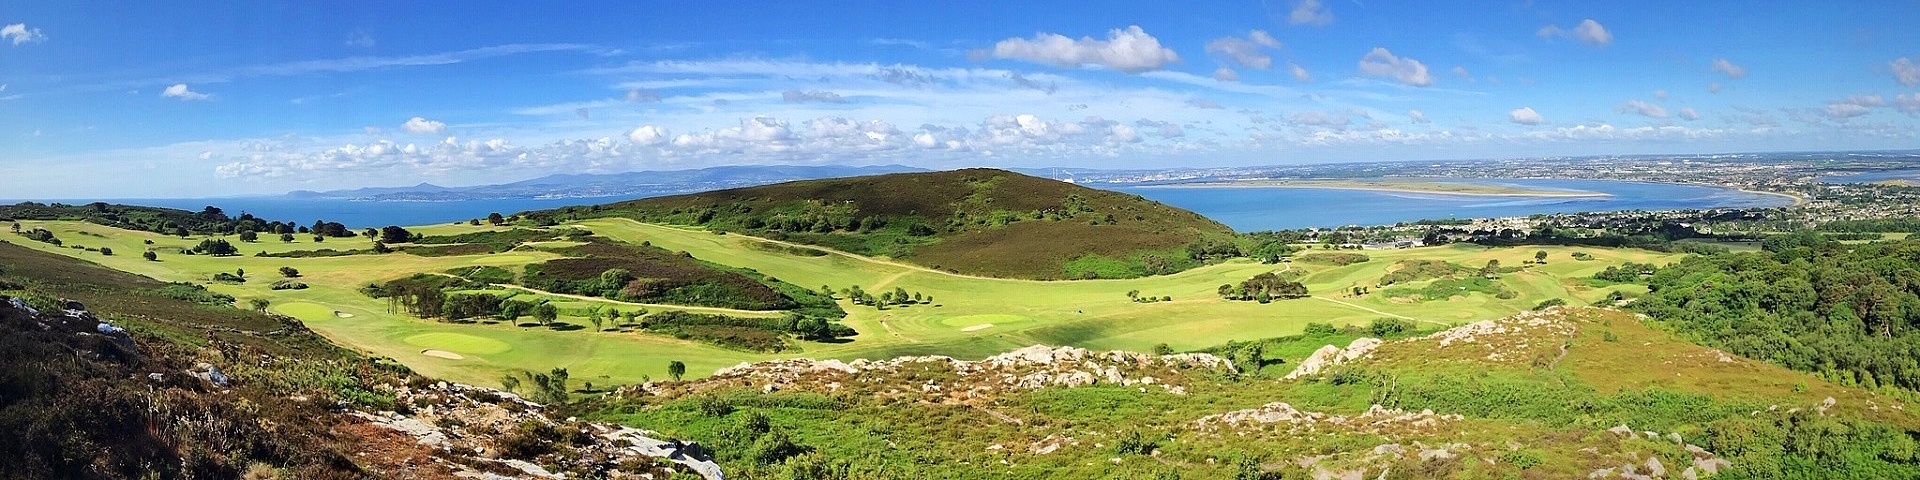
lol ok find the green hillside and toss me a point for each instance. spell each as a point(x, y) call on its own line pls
point(976, 221)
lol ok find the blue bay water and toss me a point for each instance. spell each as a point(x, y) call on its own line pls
point(1273, 208)
point(1243, 208)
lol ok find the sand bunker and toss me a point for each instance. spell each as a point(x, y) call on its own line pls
point(979, 327)
point(341, 314)
point(441, 354)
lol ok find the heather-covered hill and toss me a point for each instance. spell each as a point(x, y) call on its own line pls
point(974, 221)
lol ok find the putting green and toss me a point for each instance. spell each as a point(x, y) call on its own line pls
point(461, 343)
point(971, 320)
point(305, 311)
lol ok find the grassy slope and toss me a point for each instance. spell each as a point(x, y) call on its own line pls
point(1094, 314)
point(958, 206)
point(1513, 410)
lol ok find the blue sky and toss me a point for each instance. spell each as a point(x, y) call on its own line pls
point(117, 100)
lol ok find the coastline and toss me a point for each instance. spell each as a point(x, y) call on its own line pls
point(1797, 200)
point(1388, 189)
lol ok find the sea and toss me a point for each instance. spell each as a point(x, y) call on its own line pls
point(1243, 208)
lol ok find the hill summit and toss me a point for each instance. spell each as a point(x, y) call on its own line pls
point(975, 221)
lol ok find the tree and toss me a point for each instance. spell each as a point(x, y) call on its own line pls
point(495, 218)
point(216, 247)
point(249, 236)
point(594, 317)
point(259, 304)
point(509, 382)
point(150, 256)
point(286, 238)
point(180, 232)
point(395, 234)
point(612, 280)
point(318, 239)
point(381, 247)
point(1491, 270)
point(1540, 256)
point(16, 227)
point(1133, 295)
point(289, 272)
point(370, 233)
point(240, 272)
point(546, 314)
point(676, 370)
point(106, 251)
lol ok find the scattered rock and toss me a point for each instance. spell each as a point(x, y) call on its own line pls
point(1330, 355)
point(210, 373)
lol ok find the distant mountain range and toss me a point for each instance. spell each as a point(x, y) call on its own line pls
point(612, 184)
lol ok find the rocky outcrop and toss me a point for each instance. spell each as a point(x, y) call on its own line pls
point(1330, 355)
point(1029, 368)
point(480, 430)
point(1376, 420)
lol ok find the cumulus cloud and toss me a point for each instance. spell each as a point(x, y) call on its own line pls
point(1417, 116)
point(649, 135)
point(1310, 12)
point(180, 91)
point(1660, 94)
point(1642, 108)
point(1245, 52)
point(18, 33)
point(1688, 114)
point(422, 126)
point(797, 96)
point(1906, 71)
point(1526, 116)
point(1727, 67)
point(1299, 73)
point(1225, 74)
point(1588, 31)
point(1161, 129)
point(1129, 50)
point(1382, 63)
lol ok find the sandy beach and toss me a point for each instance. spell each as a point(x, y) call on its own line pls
point(1409, 187)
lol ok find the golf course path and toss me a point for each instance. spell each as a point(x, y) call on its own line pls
point(727, 311)
point(1394, 315)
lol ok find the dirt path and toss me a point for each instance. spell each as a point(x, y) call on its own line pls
point(724, 311)
point(1394, 315)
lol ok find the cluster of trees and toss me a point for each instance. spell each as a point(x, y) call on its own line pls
point(1263, 288)
point(210, 220)
point(1626, 272)
point(1848, 313)
point(38, 235)
point(214, 246)
point(756, 334)
point(548, 388)
point(1135, 296)
point(899, 296)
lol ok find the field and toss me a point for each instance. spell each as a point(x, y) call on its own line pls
point(967, 317)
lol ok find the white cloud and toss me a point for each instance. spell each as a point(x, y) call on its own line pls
point(1129, 50)
point(1318, 118)
point(1203, 103)
point(649, 135)
point(1907, 103)
point(18, 33)
point(1462, 73)
point(1526, 116)
point(1727, 67)
point(1841, 112)
point(1299, 73)
point(422, 126)
point(1588, 31)
point(1642, 108)
point(821, 96)
point(1310, 12)
point(1245, 52)
point(1714, 87)
point(1906, 71)
point(1226, 74)
point(1382, 63)
point(180, 91)
point(1688, 114)
point(1418, 116)
point(1660, 94)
